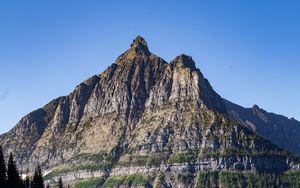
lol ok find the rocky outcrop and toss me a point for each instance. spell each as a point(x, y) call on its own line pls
point(280, 130)
point(141, 113)
point(76, 175)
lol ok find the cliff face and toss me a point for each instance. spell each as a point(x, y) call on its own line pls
point(280, 130)
point(142, 112)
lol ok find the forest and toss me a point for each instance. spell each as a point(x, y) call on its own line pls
point(10, 176)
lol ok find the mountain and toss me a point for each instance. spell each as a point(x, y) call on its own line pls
point(280, 130)
point(142, 121)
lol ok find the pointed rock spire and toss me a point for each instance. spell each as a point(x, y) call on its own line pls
point(139, 46)
point(255, 106)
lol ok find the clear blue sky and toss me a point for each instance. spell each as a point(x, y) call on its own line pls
point(249, 50)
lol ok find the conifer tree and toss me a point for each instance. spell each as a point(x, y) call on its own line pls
point(37, 181)
point(27, 182)
point(13, 177)
point(3, 175)
point(60, 183)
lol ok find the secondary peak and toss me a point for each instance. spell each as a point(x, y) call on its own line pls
point(184, 61)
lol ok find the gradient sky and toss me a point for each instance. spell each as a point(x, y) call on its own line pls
point(249, 50)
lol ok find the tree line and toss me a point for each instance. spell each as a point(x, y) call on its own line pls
point(10, 176)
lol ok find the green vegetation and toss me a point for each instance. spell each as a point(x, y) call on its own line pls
point(186, 178)
point(37, 179)
point(114, 181)
point(188, 157)
point(138, 160)
point(156, 160)
point(135, 180)
point(143, 160)
point(130, 180)
point(292, 178)
point(211, 179)
point(232, 179)
point(105, 164)
point(60, 183)
point(13, 177)
point(207, 153)
point(90, 183)
point(248, 180)
point(10, 176)
point(159, 180)
point(207, 179)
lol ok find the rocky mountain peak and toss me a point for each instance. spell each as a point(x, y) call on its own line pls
point(139, 45)
point(255, 107)
point(138, 48)
point(184, 61)
point(141, 112)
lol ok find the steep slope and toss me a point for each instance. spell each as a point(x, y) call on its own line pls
point(280, 130)
point(140, 115)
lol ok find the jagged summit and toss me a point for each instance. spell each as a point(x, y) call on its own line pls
point(139, 46)
point(139, 49)
point(184, 61)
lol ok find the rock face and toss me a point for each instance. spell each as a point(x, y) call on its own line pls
point(141, 113)
point(280, 130)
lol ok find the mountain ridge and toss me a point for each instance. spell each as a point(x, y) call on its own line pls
point(279, 129)
point(141, 112)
